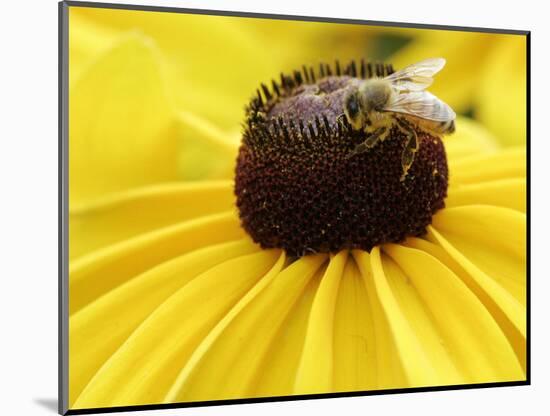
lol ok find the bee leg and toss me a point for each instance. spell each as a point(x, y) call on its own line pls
point(411, 147)
point(404, 126)
point(386, 130)
point(371, 141)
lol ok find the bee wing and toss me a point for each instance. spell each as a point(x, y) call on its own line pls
point(421, 104)
point(416, 77)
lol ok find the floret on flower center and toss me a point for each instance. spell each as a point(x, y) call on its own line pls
point(297, 189)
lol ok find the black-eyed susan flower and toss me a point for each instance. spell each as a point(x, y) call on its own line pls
point(171, 300)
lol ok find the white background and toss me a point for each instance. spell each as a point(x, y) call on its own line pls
point(28, 205)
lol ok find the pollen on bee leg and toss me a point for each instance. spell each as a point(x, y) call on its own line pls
point(297, 189)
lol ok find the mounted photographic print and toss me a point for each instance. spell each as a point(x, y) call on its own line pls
point(261, 208)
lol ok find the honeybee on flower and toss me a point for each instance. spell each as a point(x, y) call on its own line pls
point(399, 99)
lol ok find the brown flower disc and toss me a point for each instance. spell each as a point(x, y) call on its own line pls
point(297, 189)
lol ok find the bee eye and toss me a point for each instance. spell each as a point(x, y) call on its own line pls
point(352, 105)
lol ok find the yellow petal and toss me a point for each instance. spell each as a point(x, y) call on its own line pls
point(315, 372)
point(355, 360)
point(492, 238)
point(502, 93)
point(510, 193)
point(229, 361)
point(163, 343)
point(389, 372)
point(460, 325)
point(206, 73)
point(215, 75)
point(507, 311)
point(122, 132)
point(126, 214)
point(206, 152)
point(457, 82)
point(98, 330)
point(509, 163)
point(417, 367)
point(414, 309)
point(470, 139)
point(87, 40)
point(277, 372)
point(102, 270)
point(489, 243)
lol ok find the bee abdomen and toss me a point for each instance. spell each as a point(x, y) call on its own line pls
point(447, 127)
point(450, 127)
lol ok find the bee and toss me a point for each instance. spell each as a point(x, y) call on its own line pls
point(375, 105)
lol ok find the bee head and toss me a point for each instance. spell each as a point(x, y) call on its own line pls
point(353, 109)
point(374, 94)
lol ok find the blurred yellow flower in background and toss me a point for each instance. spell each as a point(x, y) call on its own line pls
point(485, 74)
point(199, 70)
point(171, 301)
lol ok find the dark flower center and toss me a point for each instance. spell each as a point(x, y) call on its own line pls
point(296, 187)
